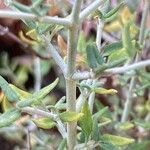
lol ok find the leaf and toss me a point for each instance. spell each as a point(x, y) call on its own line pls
point(98, 56)
point(100, 112)
point(95, 135)
point(143, 145)
point(86, 123)
point(9, 117)
point(44, 123)
point(108, 49)
point(1, 96)
point(62, 145)
point(142, 123)
point(91, 56)
point(104, 121)
point(118, 55)
point(8, 91)
point(108, 146)
point(105, 7)
point(70, 116)
point(116, 140)
point(21, 94)
point(82, 43)
point(37, 96)
point(104, 91)
point(127, 41)
point(113, 11)
point(124, 126)
point(6, 105)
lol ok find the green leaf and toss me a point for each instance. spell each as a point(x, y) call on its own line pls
point(86, 123)
point(97, 54)
point(100, 112)
point(6, 105)
point(82, 43)
point(118, 55)
point(91, 56)
point(21, 93)
point(37, 96)
point(8, 91)
point(143, 145)
point(9, 117)
point(62, 145)
point(94, 57)
point(108, 49)
point(127, 41)
point(105, 7)
point(113, 11)
point(142, 123)
point(124, 126)
point(95, 135)
point(104, 91)
point(70, 116)
point(104, 121)
point(44, 123)
point(108, 146)
point(116, 140)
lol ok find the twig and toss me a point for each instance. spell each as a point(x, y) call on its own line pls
point(116, 70)
point(91, 8)
point(28, 16)
point(53, 116)
point(100, 25)
point(58, 59)
point(37, 74)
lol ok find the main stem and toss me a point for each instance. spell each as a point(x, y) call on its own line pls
point(70, 82)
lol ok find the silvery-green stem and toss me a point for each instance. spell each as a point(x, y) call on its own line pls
point(55, 55)
point(100, 25)
point(37, 74)
point(116, 70)
point(28, 16)
point(91, 8)
point(70, 83)
point(53, 116)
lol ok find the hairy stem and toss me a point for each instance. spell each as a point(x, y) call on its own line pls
point(28, 16)
point(70, 83)
point(37, 74)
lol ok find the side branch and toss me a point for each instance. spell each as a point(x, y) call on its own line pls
point(55, 55)
point(91, 8)
point(28, 16)
point(116, 70)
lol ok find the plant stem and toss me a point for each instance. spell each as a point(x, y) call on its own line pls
point(37, 74)
point(28, 16)
point(91, 8)
point(116, 70)
point(58, 59)
point(53, 116)
point(70, 83)
point(100, 25)
point(128, 103)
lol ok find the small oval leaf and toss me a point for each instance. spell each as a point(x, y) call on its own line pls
point(44, 123)
point(116, 140)
point(70, 116)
